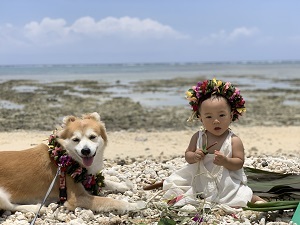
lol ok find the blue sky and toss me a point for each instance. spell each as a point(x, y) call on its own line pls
point(140, 31)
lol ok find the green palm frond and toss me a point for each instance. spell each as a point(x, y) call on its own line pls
point(273, 185)
point(272, 206)
point(283, 190)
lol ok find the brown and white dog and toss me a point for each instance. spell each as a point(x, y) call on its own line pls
point(25, 176)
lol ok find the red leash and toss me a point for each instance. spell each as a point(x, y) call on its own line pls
point(62, 185)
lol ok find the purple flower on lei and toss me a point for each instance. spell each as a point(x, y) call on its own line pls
point(65, 160)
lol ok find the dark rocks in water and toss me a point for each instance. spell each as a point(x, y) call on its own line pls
point(45, 104)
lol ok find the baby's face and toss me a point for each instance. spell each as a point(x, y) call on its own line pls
point(215, 114)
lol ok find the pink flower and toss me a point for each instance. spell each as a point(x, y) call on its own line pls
point(78, 171)
point(174, 200)
point(226, 87)
point(232, 97)
point(56, 151)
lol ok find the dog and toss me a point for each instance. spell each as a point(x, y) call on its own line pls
point(25, 176)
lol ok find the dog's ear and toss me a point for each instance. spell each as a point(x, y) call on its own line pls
point(68, 119)
point(93, 115)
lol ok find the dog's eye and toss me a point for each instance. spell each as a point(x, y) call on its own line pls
point(76, 139)
point(92, 137)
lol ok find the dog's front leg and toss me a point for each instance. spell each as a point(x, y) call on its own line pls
point(102, 204)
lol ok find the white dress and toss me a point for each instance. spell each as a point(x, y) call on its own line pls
point(215, 184)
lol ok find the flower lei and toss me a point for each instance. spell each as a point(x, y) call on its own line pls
point(92, 183)
point(216, 87)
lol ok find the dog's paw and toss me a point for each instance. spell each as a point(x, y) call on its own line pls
point(125, 186)
point(123, 207)
point(30, 208)
point(118, 186)
point(137, 206)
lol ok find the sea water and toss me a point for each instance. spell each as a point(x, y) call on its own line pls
point(250, 75)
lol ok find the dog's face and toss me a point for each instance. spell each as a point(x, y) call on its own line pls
point(83, 138)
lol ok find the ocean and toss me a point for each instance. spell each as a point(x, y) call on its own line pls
point(253, 75)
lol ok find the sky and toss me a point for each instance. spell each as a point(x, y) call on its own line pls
point(148, 31)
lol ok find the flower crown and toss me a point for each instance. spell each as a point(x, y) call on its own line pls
point(198, 93)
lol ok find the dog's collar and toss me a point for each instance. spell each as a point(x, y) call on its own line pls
point(92, 183)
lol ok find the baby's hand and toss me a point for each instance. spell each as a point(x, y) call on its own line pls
point(199, 155)
point(220, 158)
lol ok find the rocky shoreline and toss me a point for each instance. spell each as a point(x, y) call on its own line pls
point(141, 172)
point(31, 105)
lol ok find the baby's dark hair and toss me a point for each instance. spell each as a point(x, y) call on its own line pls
point(217, 96)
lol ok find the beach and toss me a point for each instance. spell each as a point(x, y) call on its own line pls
point(257, 140)
point(146, 123)
point(147, 116)
point(147, 157)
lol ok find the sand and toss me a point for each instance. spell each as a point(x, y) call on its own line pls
point(258, 140)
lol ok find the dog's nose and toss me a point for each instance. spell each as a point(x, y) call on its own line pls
point(85, 151)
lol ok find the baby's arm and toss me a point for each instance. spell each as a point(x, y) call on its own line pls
point(193, 155)
point(237, 160)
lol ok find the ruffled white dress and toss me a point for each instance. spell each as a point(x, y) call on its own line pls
point(215, 184)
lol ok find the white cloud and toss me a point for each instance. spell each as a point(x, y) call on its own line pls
point(223, 36)
point(10, 37)
point(241, 32)
point(53, 31)
point(125, 26)
point(45, 26)
point(47, 32)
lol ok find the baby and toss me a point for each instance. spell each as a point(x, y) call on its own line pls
point(215, 155)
